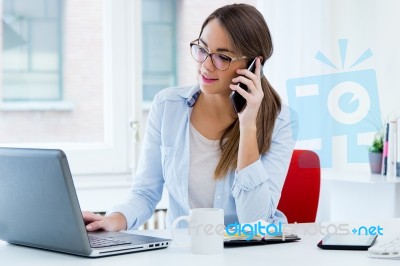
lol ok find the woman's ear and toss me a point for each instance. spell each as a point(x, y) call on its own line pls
point(261, 70)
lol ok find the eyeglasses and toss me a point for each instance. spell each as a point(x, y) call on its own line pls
point(220, 61)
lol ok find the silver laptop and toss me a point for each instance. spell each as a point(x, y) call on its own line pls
point(39, 208)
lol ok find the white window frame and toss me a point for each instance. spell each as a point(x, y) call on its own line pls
point(122, 97)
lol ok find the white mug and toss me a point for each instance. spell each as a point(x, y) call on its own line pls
point(206, 230)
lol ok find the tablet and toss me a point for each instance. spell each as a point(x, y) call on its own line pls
point(347, 242)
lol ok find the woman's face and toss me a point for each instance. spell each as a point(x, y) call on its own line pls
point(211, 79)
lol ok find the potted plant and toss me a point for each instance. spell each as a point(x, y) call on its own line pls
point(375, 154)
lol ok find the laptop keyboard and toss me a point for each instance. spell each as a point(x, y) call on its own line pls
point(98, 242)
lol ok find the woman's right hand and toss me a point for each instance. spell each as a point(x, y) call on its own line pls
point(113, 222)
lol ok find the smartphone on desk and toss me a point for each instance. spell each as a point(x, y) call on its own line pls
point(347, 242)
point(237, 100)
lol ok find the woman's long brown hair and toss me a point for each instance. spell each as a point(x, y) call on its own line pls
point(249, 35)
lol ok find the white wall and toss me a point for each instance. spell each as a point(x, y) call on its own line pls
point(301, 28)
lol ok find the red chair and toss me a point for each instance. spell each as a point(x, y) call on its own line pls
point(300, 193)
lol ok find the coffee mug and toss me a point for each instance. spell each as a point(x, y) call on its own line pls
point(206, 230)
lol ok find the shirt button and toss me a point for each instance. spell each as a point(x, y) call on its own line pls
point(218, 197)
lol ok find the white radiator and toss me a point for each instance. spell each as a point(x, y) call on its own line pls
point(157, 221)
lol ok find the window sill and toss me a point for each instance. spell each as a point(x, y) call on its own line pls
point(59, 106)
point(105, 181)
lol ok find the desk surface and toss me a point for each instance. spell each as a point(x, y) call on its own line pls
point(304, 252)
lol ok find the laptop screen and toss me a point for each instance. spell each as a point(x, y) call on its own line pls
point(38, 202)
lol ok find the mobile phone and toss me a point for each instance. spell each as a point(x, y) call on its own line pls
point(237, 100)
point(347, 242)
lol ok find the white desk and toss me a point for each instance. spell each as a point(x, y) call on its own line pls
point(304, 252)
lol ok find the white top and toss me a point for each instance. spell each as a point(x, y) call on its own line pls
point(204, 157)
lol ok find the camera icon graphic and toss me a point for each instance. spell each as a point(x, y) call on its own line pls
point(338, 104)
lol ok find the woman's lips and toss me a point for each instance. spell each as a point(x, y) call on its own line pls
point(207, 80)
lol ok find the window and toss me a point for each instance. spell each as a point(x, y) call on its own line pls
point(159, 46)
point(64, 79)
point(32, 48)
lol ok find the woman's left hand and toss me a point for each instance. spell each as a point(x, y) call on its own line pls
point(254, 95)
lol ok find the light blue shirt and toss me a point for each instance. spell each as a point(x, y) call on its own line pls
point(246, 196)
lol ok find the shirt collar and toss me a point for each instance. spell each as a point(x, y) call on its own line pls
point(191, 95)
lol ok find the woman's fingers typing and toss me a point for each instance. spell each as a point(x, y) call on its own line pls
point(113, 222)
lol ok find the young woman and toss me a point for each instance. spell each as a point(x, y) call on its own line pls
point(195, 143)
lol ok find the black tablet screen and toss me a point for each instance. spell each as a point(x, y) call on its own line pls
point(340, 241)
